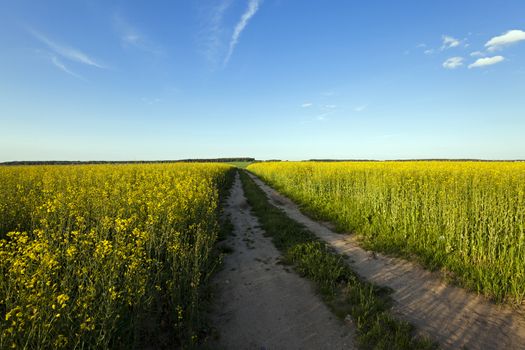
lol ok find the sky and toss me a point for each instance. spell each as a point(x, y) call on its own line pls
point(270, 79)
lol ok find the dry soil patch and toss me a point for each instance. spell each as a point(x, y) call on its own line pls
point(263, 304)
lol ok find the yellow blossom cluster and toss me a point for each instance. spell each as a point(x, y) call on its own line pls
point(88, 253)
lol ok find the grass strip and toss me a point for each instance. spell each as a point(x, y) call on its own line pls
point(342, 289)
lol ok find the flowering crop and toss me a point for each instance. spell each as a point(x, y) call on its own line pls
point(92, 256)
point(467, 218)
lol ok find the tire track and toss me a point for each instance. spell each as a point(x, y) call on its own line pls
point(262, 304)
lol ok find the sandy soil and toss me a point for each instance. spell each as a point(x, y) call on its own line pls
point(263, 304)
point(450, 315)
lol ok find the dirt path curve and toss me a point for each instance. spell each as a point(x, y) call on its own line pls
point(261, 303)
point(450, 315)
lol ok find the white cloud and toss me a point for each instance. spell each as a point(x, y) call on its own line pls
point(63, 67)
point(429, 51)
point(361, 108)
point(307, 104)
point(449, 42)
point(453, 63)
point(253, 6)
point(477, 54)
point(509, 38)
point(212, 34)
point(66, 52)
point(487, 61)
point(330, 106)
point(131, 37)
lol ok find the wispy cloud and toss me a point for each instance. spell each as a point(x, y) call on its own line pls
point(330, 106)
point(504, 40)
point(253, 6)
point(307, 104)
point(64, 68)
point(453, 63)
point(487, 61)
point(132, 37)
point(212, 34)
point(477, 54)
point(449, 42)
point(360, 109)
point(67, 52)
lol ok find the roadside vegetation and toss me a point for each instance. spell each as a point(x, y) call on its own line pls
point(465, 218)
point(350, 297)
point(108, 256)
point(241, 165)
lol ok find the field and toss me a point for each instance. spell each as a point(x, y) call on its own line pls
point(124, 256)
point(106, 256)
point(465, 218)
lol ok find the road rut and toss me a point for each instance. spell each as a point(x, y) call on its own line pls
point(262, 304)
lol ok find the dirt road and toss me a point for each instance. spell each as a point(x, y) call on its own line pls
point(263, 304)
point(450, 315)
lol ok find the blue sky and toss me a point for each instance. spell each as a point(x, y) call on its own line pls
point(288, 79)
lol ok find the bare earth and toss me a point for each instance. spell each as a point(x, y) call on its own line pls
point(450, 315)
point(263, 304)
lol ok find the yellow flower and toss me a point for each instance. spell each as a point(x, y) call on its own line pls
point(62, 299)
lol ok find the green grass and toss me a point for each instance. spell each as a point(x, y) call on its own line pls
point(343, 291)
point(240, 165)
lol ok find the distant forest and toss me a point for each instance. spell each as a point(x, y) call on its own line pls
point(78, 162)
point(415, 160)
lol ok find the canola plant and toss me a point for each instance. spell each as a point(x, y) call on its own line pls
point(105, 256)
point(466, 218)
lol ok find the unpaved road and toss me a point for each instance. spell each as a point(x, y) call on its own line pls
point(263, 304)
point(450, 315)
